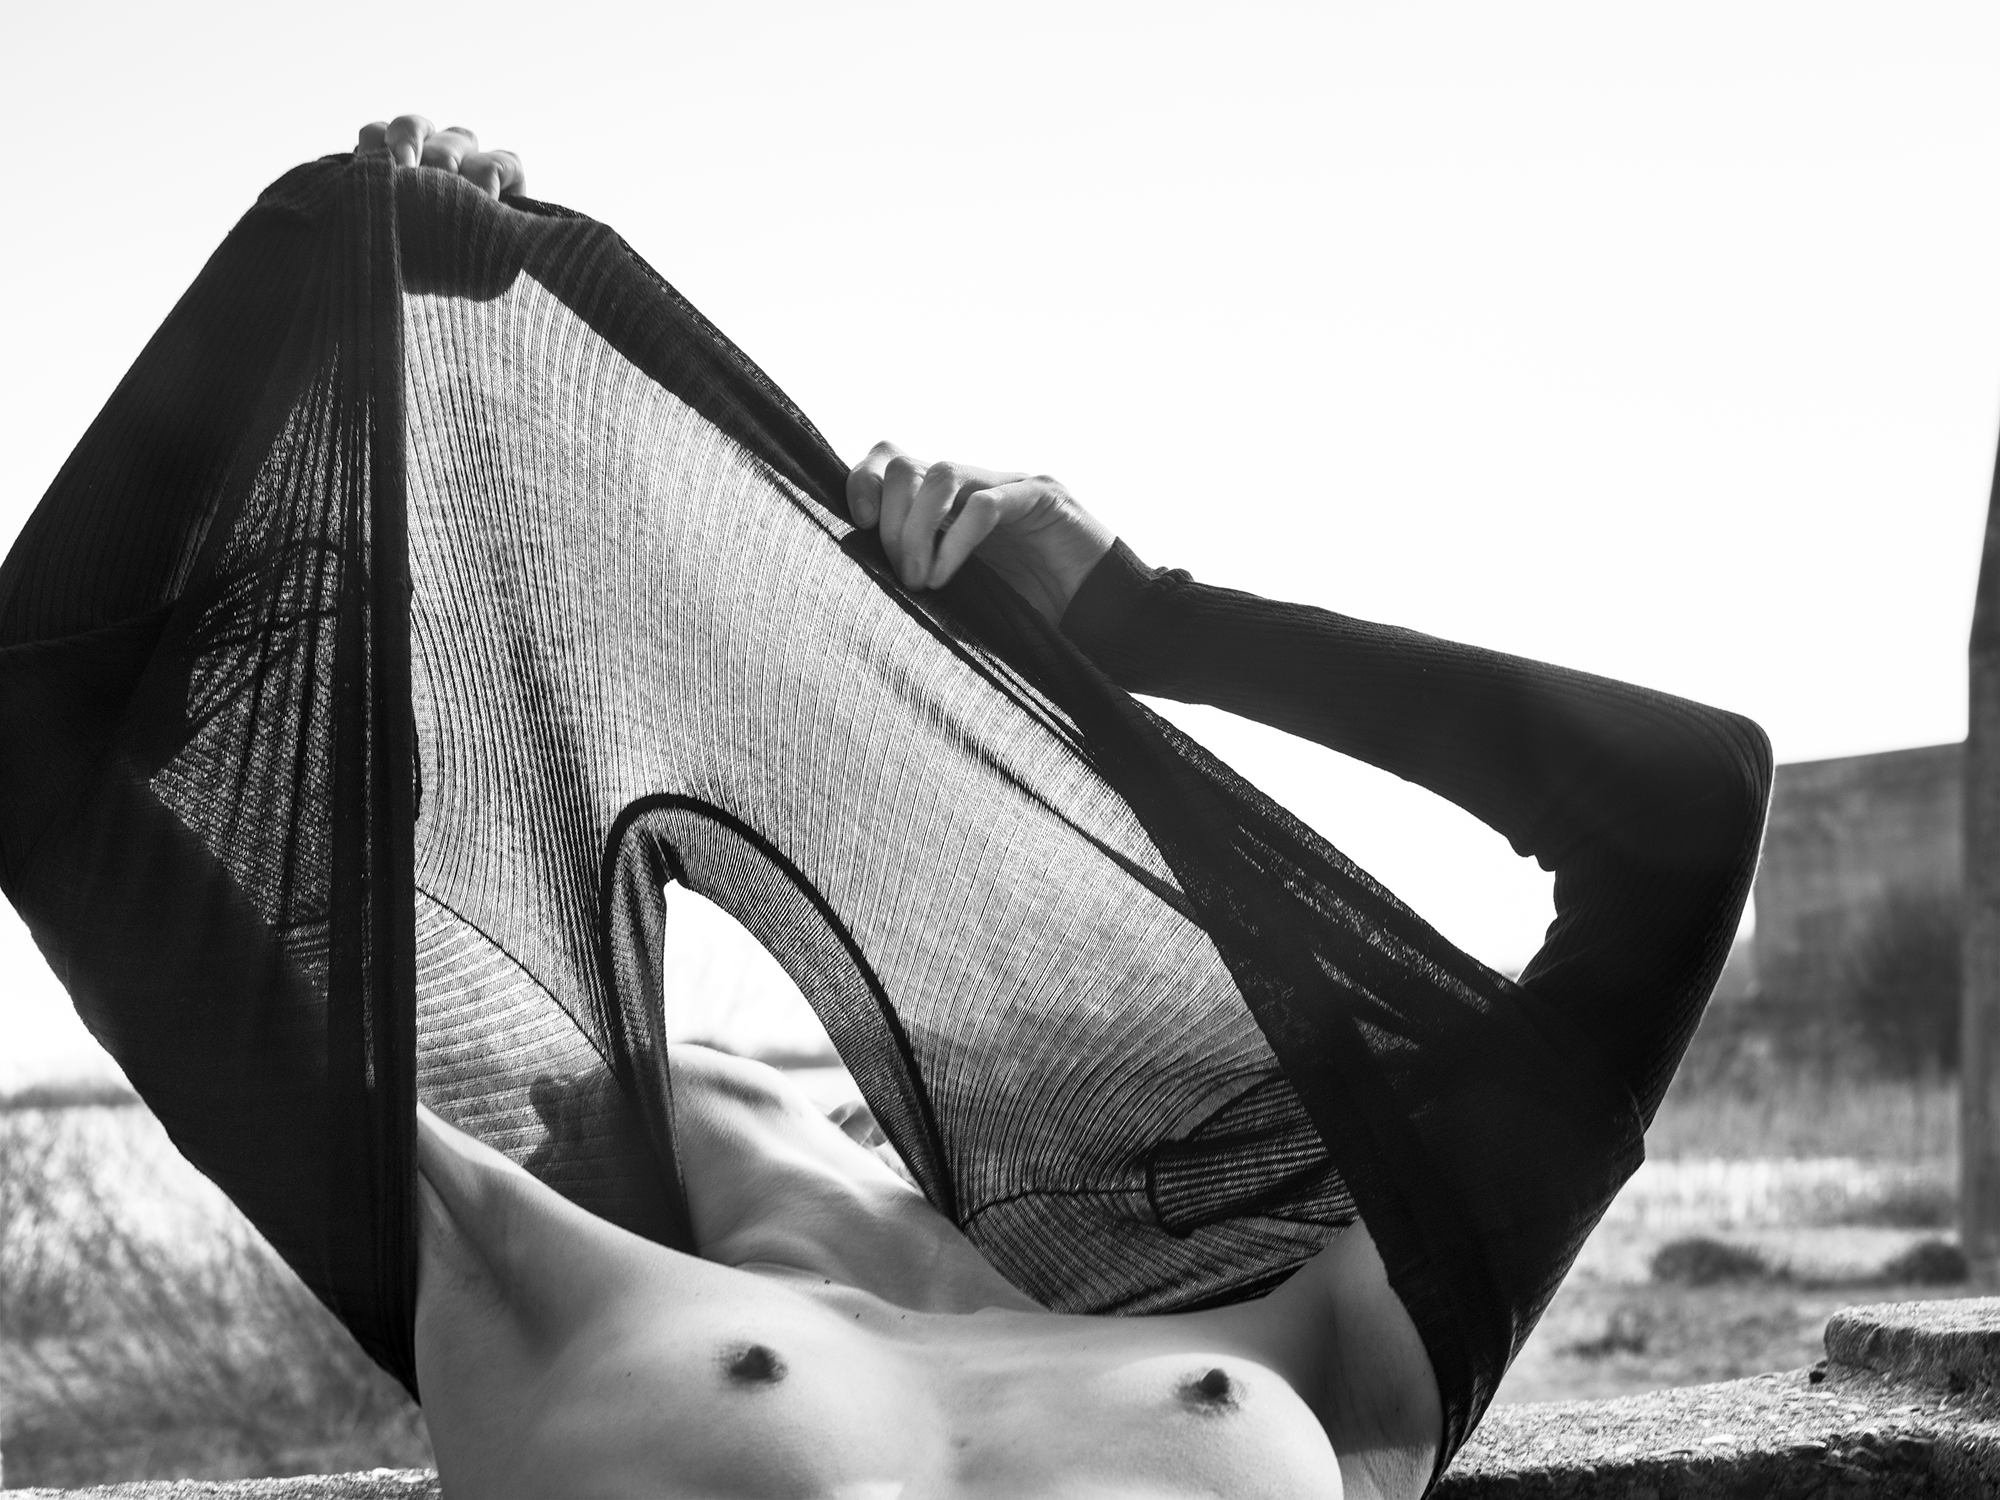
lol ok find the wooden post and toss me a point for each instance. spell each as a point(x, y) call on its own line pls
point(1979, 1049)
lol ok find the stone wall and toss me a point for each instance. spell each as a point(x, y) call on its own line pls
point(1847, 839)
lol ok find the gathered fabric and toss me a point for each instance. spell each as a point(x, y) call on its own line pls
point(439, 593)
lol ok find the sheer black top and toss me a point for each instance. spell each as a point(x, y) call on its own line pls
point(440, 590)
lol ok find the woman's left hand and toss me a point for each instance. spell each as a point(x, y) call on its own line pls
point(933, 516)
point(414, 142)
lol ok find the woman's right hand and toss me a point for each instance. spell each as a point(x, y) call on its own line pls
point(933, 516)
point(414, 142)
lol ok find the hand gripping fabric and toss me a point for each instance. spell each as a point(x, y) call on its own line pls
point(439, 590)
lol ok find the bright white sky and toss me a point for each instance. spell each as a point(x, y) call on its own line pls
point(1663, 341)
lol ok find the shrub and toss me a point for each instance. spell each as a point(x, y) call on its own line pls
point(1700, 1261)
point(1627, 1331)
point(45, 1275)
point(128, 1356)
point(1928, 1263)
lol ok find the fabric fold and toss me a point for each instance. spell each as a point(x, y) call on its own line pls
point(440, 589)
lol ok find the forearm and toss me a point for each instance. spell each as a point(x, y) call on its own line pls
point(1552, 758)
point(1646, 806)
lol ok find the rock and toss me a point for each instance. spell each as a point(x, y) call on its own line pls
point(1952, 1344)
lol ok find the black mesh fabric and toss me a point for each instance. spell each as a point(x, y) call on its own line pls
point(439, 591)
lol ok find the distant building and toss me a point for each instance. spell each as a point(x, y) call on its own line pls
point(1848, 839)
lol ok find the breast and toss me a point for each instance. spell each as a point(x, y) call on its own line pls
point(769, 1388)
point(1037, 1403)
point(746, 1390)
point(1117, 1413)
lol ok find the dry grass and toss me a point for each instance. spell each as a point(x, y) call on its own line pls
point(136, 1351)
point(1809, 1112)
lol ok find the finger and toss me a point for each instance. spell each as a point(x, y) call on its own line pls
point(864, 483)
point(915, 544)
point(902, 476)
point(981, 513)
point(977, 518)
point(448, 148)
point(493, 172)
point(373, 137)
point(405, 138)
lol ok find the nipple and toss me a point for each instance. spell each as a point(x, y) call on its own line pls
point(754, 1364)
point(1210, 1391)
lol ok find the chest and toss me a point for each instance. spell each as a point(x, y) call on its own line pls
point(773, 1183)
point(848, 1396)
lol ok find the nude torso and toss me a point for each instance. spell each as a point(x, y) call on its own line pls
point(788, 1385)
point(838, 1337)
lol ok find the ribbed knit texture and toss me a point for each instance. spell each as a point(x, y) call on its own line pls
point(440, 591)
point(1647, 808)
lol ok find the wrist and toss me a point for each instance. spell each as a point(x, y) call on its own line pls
point(1091, 544)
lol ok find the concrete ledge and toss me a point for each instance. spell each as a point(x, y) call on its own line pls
point(1906, 1407)
point(376, 1484)
point(1952, 1344)
point(1825, 1433)
point(1907, 1403)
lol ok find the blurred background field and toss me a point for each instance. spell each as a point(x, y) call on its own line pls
point(1758, 1213)
point(147, 1332)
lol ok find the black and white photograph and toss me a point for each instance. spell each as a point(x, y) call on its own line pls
point(1032, 752)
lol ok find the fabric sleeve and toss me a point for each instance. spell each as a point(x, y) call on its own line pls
point(1647, 808)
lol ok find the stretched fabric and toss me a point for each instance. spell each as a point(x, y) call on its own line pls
point(439, 590)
